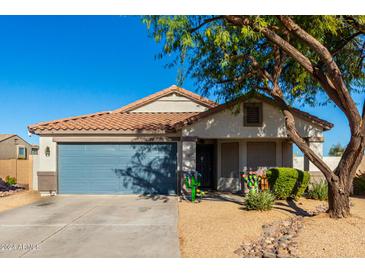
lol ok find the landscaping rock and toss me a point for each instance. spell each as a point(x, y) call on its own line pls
point(269, 255)
point(277, 239)
point(6, 190)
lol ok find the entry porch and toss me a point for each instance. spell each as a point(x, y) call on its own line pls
point(220, 161)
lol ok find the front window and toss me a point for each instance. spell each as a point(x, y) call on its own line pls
point(21, 152)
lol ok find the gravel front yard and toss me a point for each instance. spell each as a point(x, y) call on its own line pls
point(218, 228)
point(323, 237)
point(18, 199)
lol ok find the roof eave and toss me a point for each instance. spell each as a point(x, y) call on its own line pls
point(101, 132)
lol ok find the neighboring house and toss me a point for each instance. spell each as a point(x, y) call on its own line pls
point(14, 147)
point(145, 146)
point(17, 159)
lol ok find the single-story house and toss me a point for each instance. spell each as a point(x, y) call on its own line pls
point(145, 147)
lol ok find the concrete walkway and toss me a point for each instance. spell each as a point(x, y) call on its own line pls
point(91, 226)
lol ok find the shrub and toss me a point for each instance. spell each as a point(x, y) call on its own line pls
point(287, 182)
point(318, 191)
point(10, 180)
point(359, 184)
point(259, 200)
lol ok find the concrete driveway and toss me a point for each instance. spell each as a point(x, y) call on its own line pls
point(91, 226)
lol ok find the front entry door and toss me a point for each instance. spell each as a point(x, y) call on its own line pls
point(205, 164)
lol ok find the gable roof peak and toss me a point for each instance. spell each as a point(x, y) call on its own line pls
point(162, 93)
point(325, 125)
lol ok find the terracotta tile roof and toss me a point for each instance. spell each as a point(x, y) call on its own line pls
point(114, 121)
point(121, 120)
point(173, 89)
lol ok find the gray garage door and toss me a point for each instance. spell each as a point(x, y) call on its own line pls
point(117, 168)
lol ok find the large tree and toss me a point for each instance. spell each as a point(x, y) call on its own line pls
point(310, 59)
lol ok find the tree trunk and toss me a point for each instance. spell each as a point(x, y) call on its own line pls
point(340, 181)
point(339, 198)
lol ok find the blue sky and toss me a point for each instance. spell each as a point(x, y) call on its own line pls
point(56, 67)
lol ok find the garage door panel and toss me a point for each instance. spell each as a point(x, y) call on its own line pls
point(117, 168)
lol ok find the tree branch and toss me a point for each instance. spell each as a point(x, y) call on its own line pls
point(330, 66)
point(344, 43)
point(279, 59)
point(236, 79)
point(316, 73)
point(354, 23)
point(206, 21)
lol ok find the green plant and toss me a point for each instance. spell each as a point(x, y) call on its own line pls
point(287, 182)
point(259, 200)
point(318, 191)
point(10, 180)
point(359, 184)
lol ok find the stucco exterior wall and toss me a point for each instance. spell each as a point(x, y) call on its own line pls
point(188, 156)
point(317, 147)
point(47, 163)
point(225, 124)
point(35, 169)
point(331, 161)
point(172, 103)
